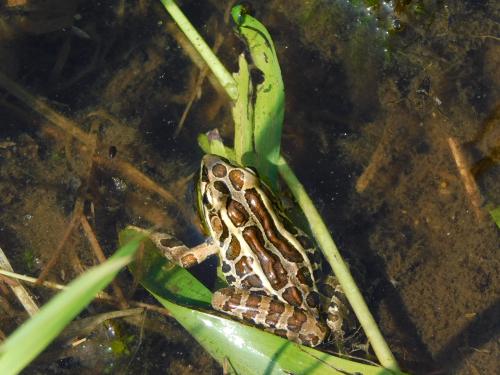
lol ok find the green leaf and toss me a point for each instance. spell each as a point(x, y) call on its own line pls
point(269, 107)
point(246, 349)
point(495, 214)
point(243, 115)
point(35, 334)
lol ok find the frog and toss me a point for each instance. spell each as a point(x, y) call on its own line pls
point(273, 270)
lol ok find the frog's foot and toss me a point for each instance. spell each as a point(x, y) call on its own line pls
point(177, 252)
point(285, 320)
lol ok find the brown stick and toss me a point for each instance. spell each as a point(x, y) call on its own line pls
point(128, 171)
point(380, 158)
point(197, 87)
point(17, 288)
point(103, 296)
point(470, 185)
point(77, 212)
point(43, 109)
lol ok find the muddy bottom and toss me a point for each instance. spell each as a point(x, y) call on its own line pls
point(392, 124)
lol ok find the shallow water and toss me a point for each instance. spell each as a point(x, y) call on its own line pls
point(373, 97)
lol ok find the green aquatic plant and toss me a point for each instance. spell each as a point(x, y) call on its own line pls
point(261, 44)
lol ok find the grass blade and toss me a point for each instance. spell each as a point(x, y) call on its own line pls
point(243, 115)
point(269, 107)
point(35, 334)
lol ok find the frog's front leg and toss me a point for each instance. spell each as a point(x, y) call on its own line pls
point(285, 320)
point(177, 252)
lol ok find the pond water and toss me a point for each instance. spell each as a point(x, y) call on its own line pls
point(392, 124)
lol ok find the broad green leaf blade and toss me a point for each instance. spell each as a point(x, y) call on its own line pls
point(243, 115)
point(38, 332)
point(269, 107)
point(247, 349)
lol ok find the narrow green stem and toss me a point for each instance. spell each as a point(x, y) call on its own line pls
point(325, 241)
point(219, 70)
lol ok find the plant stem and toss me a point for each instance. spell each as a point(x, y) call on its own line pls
point(325, 241)
point(219, 70)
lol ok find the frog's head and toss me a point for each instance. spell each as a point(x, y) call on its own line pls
point(221, 180)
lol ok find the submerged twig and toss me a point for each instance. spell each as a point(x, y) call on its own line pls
point(132, 174)
point(77, 212)
point(197, 87)
point(470, 185)
point(17, 288)
point(31, 280)
point(219, 70)
point(85, 326)
point(378, 159)
point(43, 109)
point(103, 296)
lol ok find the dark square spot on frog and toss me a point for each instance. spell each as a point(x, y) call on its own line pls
point(326, 289)
point(312, 299)
point(276, 308)
point(230, 279)
point(219, 171)
point(253, 301)
point(250, 314)
point(226, 267)
point(293, 296)
point(305, 241)
point(304, 276)
point(243, 267)
point(237, 213)
point(237, 179)
point(295, 322)
point(252, 281)
point(221, 187)
point(233, 250)
point(234, 301)
point(219, 227)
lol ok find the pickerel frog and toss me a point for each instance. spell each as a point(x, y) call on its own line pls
point(272, 268)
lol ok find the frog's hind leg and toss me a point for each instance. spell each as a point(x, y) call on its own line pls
point(177, 252)
point(339, 316)
point(283, 319)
